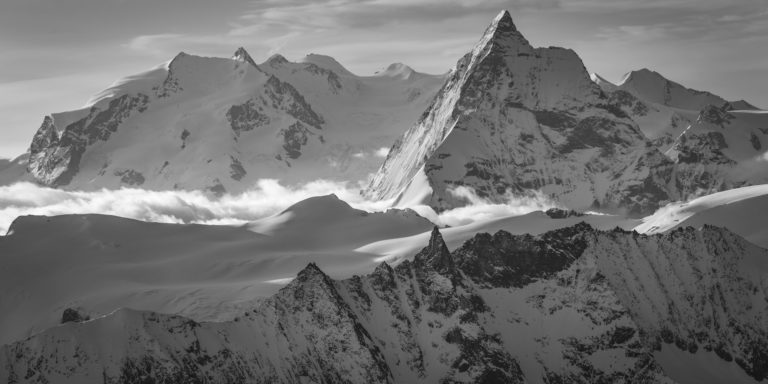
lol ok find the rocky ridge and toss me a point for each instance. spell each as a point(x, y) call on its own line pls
point(494, 310)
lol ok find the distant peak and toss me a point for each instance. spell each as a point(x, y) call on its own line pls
point(242, 55)
point(739, 105)
point(398, 70)
point(326, 62)
point(602, 82)
point(642, 74)
point(277, 59)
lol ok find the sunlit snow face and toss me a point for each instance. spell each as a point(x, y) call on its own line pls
point(266, 198)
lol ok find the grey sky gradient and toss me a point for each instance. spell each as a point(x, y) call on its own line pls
point(54, 54)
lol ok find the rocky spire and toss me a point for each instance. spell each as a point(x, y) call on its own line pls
point(436, 254)
point(242, 55)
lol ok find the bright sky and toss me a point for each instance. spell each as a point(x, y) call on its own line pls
point(55, 54)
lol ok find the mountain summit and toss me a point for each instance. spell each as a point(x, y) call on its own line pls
point(242, 55)
point(513, 119)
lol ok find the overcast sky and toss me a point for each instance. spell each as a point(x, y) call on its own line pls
point(54, 54)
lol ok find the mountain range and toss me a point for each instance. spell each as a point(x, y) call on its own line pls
point(570, 305)
point(650, 267)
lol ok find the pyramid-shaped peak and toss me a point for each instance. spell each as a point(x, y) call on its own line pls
point(242, 55)
point(502, 33)
point(503, 21)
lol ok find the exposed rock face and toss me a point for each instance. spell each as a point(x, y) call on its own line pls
point(571, 305)
point(54, 155)
point(71, 315)
point(714, 143)
point(512, 119)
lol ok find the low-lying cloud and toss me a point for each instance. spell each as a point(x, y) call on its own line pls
point(266, 198)
point(481, 209)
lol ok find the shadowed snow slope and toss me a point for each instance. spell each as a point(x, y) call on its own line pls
point(327, 221)
point(574, 305)
point(101, 263)
point(741, 210)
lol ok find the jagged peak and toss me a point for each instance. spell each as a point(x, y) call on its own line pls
point(383, 269)
point(242, 55)
point(310, 273)
point(436, 253)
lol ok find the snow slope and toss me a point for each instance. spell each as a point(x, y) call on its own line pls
point(739, 210)
point(204, 272)
point(220, 124)
point(570, 305)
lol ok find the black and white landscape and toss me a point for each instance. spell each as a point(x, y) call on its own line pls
point(517, 219)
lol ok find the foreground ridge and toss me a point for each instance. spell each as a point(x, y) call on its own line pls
point(570, 305)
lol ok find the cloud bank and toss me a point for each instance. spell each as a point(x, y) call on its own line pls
point(480, 209)
point(266, 198)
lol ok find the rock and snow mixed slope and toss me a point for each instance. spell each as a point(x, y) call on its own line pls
point(219, 124)
point(571, 305)
point(716, 144)
point(515, 119)
point(101, 263)
point(511, 119)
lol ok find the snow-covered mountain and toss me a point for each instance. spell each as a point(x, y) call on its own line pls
point(716, 144)
point(513, 119)
point(219, 124)
point(637, 309)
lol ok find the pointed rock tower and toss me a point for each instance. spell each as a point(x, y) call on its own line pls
point(242, 55)
point(513, 119)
